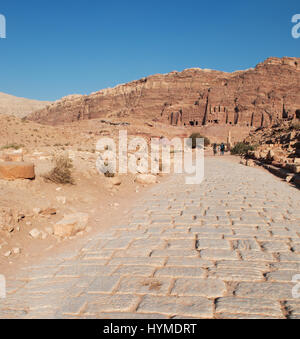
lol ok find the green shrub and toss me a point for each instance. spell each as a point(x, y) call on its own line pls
point(12, 146)
point(195, 136)
point(241, 148)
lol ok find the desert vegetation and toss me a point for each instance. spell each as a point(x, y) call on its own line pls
point(195, 136)
point(242, 148)
point(62, 171)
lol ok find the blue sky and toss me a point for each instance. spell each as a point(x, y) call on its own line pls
point(55, 48)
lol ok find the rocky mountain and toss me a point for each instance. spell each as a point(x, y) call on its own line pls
point(257, 97)
point(19, 107)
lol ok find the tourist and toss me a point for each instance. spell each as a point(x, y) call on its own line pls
point(222, 148)
point(215, 149)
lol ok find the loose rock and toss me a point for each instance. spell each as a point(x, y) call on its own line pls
point(71, 224)
point(146, 179)
point(35, 233)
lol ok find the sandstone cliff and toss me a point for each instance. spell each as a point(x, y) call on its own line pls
point(194, 97)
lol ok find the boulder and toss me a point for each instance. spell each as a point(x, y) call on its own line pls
point(16, 250)
point(16, 170)
point(35, 233)
point(7, 254)
point(250, 163)
point(146, 179)
point(116, 181)
point(71, 224)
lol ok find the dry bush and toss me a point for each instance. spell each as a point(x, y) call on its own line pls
point(62, 172)
point(296, 125)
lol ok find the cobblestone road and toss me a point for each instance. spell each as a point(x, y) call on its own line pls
point(228, 248)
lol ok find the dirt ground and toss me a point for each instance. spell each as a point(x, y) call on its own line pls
point(38, 204)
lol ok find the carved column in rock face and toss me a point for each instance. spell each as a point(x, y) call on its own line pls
point(262, 120)
point(229, 141)
point(206, 111)
point(237, 116)
point(252, 120)
point(177, 118)
point(284, 112)
point(86, 114)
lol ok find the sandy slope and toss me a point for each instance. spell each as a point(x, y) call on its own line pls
point(19, 107)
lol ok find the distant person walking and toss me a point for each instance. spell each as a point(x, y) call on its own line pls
point(215, 149)
point(222, 148)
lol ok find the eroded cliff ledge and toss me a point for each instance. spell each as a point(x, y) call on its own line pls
point(255, 97)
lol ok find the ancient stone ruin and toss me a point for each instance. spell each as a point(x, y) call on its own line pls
point(257, 97)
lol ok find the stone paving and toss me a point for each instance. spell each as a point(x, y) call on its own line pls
point(227, 248)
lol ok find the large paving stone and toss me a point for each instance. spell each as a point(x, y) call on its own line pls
point(271, 291)
point(249, 306)
point(188, 306)
point(210, 288)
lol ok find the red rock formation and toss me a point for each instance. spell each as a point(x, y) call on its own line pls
point(256, 97)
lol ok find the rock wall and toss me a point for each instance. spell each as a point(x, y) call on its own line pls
point(195, 97)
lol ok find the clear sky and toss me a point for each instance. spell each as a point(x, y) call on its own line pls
point(60, 47)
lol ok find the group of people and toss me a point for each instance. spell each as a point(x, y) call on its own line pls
point(219, 148)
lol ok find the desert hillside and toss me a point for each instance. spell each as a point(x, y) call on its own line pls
point(19, 107)
point(256, 97)
point(31, 208)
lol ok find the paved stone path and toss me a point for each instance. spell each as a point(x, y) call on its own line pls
point(228, 248)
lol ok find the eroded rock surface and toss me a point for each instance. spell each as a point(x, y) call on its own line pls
point(195, 97)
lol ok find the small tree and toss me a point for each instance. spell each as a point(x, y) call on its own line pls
point(196, 136)
point(241, 148)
